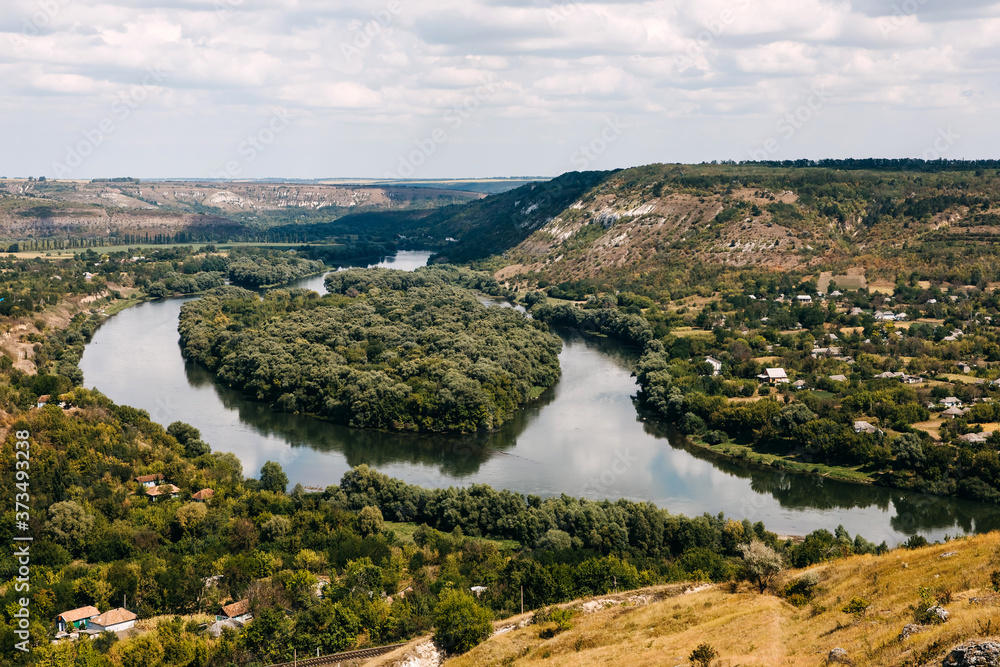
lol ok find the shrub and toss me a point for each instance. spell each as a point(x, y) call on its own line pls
point(459, 623)
point(703, 655)
point(857, 606)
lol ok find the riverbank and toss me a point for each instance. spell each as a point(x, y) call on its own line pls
point(743, 453)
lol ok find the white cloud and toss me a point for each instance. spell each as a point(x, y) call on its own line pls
point(697, 80)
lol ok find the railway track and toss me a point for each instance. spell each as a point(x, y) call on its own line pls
point(334, 658)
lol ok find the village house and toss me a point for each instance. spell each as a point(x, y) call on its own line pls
point(75, 619)
point(150, 480)
point(800, 384)
point(43, 401)
point(952, 413)
point(715, 364)
point(804, 298)
point(865, 427)
point(203, 496)
point(116, 620)
point(774, 376)
point(951, 402)
point(975, 438)
point(163, 491)
point(839, 378)
point(237, 611)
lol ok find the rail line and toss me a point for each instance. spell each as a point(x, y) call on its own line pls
point(341, 657)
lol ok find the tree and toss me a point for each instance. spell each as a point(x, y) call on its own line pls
point(459, 623)
point(370, 521)
point(762, 563)
point(273, 478)
point(68, 523)
point(190, 439)
point(909, 451)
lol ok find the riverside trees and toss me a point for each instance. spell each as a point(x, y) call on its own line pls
point(387, 349)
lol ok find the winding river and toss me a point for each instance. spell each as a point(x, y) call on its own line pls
point(583, 437)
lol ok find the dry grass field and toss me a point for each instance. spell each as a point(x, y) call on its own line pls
point(662, 626)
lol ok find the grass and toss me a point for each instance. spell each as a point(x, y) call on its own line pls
point(751, 629)
point(745, 453)
point(404, 533)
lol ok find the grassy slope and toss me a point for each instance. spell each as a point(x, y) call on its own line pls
point(751, 629)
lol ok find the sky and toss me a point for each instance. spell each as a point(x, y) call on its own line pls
point(482, 88)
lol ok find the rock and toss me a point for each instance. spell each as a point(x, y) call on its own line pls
point(948, 554)
point(939, 611)
point(910, 629)
point(838, 656)
point(974, 654)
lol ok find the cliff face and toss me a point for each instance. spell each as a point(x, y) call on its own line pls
point(38, 209)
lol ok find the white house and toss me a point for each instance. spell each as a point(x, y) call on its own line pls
point(804, 298)
point(115, 620)
point(149, 480)
point(951, 402)
point(977, 438)
point(715, 364)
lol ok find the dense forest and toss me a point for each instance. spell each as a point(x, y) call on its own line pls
point(386, 349)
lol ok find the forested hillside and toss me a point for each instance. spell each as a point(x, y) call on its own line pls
point(387, 349)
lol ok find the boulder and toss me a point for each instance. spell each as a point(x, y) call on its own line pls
point(838, 656)
point(974, 654)
point(940, 612)
point(910, 629)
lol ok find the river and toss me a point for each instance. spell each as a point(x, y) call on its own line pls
point(582, 437)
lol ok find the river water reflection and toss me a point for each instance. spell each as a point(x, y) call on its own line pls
point(583, 437)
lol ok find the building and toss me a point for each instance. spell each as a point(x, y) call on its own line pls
point(203, 496)
point(952, 413)
point(963, 368)
point(865, 427)
point(715, 364)
point(977, 438)
point(804, 298)
point(163, 491)
point(839, 378)
point(75, 619)
point(43, 400)
point(774, 376)
point(237, 611)
point(951, 402)
point(150, 480)
point(116, 620)
point(800, 384)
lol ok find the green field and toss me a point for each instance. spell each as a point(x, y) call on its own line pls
point(404, 532)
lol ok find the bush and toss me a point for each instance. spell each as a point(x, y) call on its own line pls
point(800, 592)
point(857, 606)
point(703, 655)
point(459, 623)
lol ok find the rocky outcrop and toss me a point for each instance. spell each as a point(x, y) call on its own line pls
point(974, 654)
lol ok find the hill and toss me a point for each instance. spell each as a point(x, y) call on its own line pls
point(663, 625)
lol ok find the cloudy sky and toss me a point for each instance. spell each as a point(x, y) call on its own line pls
point(448, 88)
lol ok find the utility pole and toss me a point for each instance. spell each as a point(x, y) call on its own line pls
point(522, 599)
